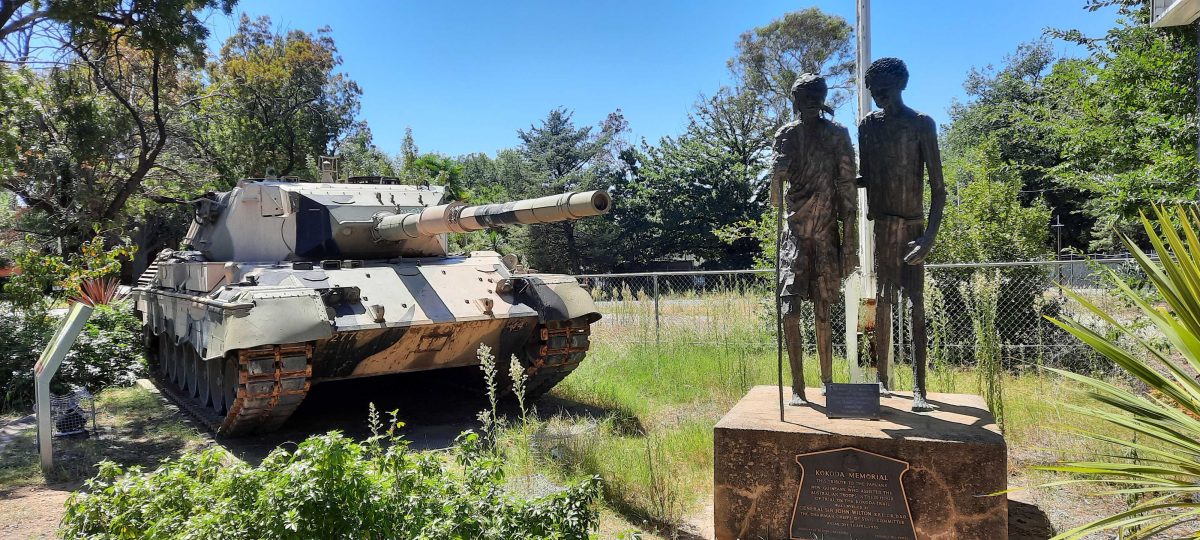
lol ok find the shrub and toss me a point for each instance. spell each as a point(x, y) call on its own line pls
point(329, 487)
point(107, 353)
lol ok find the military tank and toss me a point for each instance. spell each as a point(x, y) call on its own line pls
point(282, 285)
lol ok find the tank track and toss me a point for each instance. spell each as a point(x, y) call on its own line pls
point(560, 347)
point(257, 390)
point(250, 391)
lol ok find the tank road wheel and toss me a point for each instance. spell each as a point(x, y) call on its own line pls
point(229, 380)
point(164, 356)
point(150, 345)
point(174, 350)
point(188, 363)
point(249, 391)
point(216, 383)
point(559, 348)
point(203, 392)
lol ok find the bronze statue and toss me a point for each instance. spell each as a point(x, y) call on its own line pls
point(897, 146)
point(814, 170)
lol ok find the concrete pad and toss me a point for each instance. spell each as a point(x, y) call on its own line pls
point(955, 457)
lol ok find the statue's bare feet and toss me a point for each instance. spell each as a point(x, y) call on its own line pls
point(920, 404)
point(883, 390)
point(798, 399)
point(824, 388)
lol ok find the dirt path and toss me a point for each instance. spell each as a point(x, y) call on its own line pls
point(34, 511)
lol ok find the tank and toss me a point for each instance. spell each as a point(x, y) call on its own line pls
point(282, 285)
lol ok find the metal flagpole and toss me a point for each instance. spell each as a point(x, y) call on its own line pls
point(861, 285)
point(778, 291)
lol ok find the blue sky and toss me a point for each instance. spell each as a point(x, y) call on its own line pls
point(465, 75)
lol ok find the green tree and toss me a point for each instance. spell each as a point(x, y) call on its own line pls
point(1097, 137)
point(556, 157)
point(359, 156)
point(86, 135)
point(1010, 113)
point(438, 170)
point(986, 221)
point(408, 148)
point(770, 57)
point(277, 102)
point(1124, 120)
point(708, 179)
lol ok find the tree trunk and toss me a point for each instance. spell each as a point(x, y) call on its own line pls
point(572, 252)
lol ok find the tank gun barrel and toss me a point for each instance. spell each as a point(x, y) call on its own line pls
point(458, 217)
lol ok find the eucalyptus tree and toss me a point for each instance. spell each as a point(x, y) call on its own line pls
point(278, 102)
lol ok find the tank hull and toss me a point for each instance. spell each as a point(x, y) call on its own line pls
point(368, 353)
point(242, 343)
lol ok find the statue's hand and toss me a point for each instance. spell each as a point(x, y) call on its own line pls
point(918, 250)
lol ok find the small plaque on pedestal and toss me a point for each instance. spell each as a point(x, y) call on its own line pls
point(848, 400)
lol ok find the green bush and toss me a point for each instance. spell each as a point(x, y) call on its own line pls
point(329, 487)
point(107, 353)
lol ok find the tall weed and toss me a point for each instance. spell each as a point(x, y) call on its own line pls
point(982, 296)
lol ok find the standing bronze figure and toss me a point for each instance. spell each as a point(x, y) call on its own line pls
point(897, 147)
point(814, 171)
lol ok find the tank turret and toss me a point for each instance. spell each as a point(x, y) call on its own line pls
point(282, 285)
point(269, 220)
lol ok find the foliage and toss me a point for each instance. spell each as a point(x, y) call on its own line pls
point(982, 294)
point(1004, 133)
point(986, 221)
point(93, 128)
point(554, 157)
point(438, 170)
point(1124, 120)
point(761, 231)
point(277, 102)
point(107, 353)
point(1164, 425)
point(770, 57)
point(10, 243)
point(1100, 136)
point(708, 179)
point(359, 156)
point(379, 488)
point(45, 279)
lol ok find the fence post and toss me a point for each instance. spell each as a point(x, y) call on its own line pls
point(657, 332)
point(44, 370)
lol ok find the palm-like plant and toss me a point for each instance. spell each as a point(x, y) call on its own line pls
point(1165, 477)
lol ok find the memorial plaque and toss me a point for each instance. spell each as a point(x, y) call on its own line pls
point(851, 494)
point(844, 400)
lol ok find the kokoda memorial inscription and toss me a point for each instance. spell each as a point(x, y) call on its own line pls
point(851, 494)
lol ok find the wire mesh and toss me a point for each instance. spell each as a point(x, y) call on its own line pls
point(72, 412)
point(737, 307)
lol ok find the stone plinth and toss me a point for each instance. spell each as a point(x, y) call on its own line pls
point(956, 456)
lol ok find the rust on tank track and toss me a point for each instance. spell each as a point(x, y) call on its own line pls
point(272, 381)
point(559, 350)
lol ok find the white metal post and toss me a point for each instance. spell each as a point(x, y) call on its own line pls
point(861, 285)
point(44, 370)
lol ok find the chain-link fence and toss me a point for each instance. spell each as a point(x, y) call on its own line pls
point(1009, 300)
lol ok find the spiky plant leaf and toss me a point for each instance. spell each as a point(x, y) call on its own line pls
point(1163, 424)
